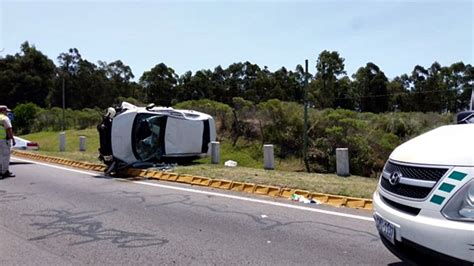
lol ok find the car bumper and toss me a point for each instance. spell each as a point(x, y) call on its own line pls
point(418, 237)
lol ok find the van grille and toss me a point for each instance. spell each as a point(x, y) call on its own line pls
point(421, 173)
point(412, 172)
point(406, 190)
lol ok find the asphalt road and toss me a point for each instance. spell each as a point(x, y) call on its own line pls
point(55, 216)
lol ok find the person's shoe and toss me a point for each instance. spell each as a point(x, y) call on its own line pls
point(8, 174)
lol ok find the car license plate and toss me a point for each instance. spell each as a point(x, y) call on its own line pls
point(385, 228)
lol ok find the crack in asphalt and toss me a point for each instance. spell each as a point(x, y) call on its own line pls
point(84, 224)
point(5, 196)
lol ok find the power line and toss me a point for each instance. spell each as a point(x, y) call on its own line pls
point(399, 93)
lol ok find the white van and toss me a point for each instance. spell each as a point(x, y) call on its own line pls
point(131, 134)
point(424, 203)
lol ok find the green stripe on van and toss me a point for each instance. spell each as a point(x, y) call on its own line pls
point(457, 175)
point(446, 187)
point(437, 199)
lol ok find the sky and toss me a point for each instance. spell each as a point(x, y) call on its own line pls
point(396, 35)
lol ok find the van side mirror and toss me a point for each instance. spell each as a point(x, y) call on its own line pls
point(466, 117)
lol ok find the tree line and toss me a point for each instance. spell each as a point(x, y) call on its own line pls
point(30, 76)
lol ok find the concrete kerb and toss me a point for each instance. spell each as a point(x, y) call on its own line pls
point(273, 191)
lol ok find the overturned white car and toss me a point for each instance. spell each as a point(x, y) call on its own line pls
point(131, 135)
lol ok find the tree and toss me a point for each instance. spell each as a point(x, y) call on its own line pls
point(25, 115)
point(69, 62)
point(329, 67)
point(85, 84)
point(240, 109)
point(345, 94)
point(91, 88)
point(159, 84)
point(264, 86)
point(26, 77)
point(460, 81)
point(371, 83)
point(219, 76)
point(66, 75)
point(400, 97)
point(287, 85)
point(119, 76)
point(195, 87)
point(430, 91)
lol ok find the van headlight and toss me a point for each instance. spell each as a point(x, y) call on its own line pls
point(461, 206)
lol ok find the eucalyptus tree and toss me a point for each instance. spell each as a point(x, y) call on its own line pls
point(159, 84)
point(120, 78)
point(194, 87)
point(345, 95)
point(219, 76)
point(329, 67)
point(85, 84)
point(264, 86)
point(371, 84)
point(460, 80)
point(27, 76)
point(400, 98)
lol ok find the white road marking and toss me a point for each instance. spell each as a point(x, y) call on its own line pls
point(258, 201)
point(58, 167)
point(285, 205)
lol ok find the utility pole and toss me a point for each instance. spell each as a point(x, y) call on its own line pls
point(64, 106)
point(305, 127)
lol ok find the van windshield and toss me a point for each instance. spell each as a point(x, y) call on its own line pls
point(148, 136)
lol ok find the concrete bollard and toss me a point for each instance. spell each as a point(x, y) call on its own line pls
point(268, 158)
point(215, 152)
point(62, 141)
point(82, 143)
point(342, 162)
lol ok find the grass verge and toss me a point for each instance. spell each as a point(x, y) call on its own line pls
point(249, 169)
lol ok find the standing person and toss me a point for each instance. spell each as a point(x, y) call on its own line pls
point(6, 140)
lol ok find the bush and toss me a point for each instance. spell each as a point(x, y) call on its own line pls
point(369, 137)
point(25, 115)
point(282, 124)
point(87, 118)
point(221, 112)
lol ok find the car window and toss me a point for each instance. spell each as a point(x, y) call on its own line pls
point(147, 136)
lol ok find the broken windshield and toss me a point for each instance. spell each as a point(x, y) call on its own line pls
point(148, 136)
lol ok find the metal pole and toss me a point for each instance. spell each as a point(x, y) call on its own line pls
point(64, 106)
point(305, 127)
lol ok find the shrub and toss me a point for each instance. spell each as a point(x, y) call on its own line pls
point(221, 112)
point(87, 118)
point(25, 115)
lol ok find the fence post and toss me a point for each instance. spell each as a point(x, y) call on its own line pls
point(82, 143)
point(268, 158)
point(62, 141)
point(215, 152)
point(342, 162)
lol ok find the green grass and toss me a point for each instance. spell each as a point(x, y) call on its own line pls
point(49, 144)
point(353, 186)
point(288, 173)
